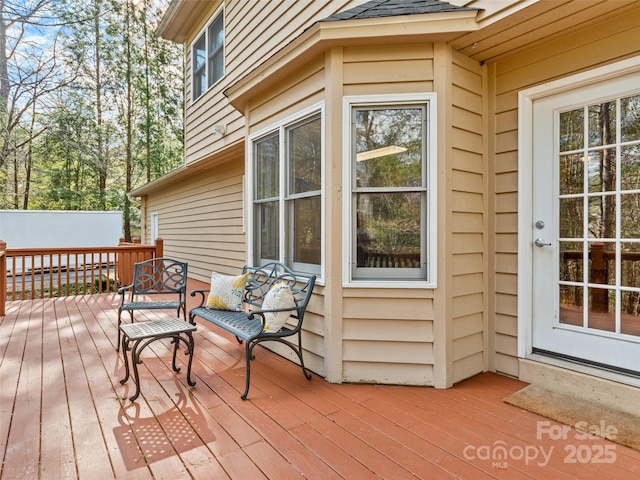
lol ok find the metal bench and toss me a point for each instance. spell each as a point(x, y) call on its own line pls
point(137, 336)
point(248, 325)
point(158, 276)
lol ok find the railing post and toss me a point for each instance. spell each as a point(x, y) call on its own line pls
point(3, 277)
point(159, 248)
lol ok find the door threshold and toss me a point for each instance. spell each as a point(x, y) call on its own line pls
point(607, 388)
point(625, 377)
point(579, 361)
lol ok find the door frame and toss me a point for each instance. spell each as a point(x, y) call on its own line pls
point(525, 186)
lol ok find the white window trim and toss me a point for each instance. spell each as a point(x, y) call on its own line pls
point(280, 127)
point(525, 176)
point(205, 31)
point(432, 171)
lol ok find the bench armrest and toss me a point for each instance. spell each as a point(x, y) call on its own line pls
point(204, 293)
point(260, 313)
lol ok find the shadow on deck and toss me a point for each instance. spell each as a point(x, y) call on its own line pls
point(65, 415)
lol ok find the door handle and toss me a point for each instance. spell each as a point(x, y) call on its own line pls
point(539, 242)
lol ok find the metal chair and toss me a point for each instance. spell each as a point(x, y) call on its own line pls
point(158, 276)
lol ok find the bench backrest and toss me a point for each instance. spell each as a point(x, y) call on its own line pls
point(159, 276)
point(261, 279)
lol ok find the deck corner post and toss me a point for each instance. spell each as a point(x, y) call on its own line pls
point(3, 277)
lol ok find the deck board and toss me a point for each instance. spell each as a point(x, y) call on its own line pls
point(65, 415)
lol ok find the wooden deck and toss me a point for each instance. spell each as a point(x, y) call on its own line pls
point(65, 415)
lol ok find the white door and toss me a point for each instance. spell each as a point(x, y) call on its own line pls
point(586, 224)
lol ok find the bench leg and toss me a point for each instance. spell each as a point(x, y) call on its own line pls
point(248, 348)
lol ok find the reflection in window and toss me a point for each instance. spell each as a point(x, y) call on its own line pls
point(599, 212)
point(389, 192)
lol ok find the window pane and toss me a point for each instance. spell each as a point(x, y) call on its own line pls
point(306, 230)
point(199, 73)
point(267, 228)
point(216, 50)
point(304, 150)
point(389, 146)
point(389, 230)
point(572, 130)
point(266, 155)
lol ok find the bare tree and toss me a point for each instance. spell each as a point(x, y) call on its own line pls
point(27, 72)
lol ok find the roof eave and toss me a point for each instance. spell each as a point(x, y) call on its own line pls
point(180, 18)
point(324, 35)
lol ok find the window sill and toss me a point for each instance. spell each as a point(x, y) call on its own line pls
point(390, 284)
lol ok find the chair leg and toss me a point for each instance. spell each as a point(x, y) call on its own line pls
point(119, 333)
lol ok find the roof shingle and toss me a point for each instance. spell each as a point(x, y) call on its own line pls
point(392, 8)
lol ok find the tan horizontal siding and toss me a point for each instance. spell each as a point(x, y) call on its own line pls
point(468, 219)
point(254, 32)
point(388, 373)
point(388, 69)
point(200, 220)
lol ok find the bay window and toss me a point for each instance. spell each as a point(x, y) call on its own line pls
point(391, 205)
point(286, 197)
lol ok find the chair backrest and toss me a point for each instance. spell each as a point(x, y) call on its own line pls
point(160, 275)
point(261, 279)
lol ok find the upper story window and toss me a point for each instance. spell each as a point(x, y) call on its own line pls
point(391, 176)
point(208, 56)
point(286, 165)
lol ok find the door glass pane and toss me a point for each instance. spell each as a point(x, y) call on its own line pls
point(571, 174)
point(602, 216)
point(571, 262)
point(571, 301)
point(630, 316)
point(630, 215)
point(571, 217)
point(630, 118)
point(602, 308)
point(630, 264)
point(602, 170)
point(602, 263)
point(572, 130)
point(602, 124)
point(630, 167)
point(389, 147)
point(388, 230)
